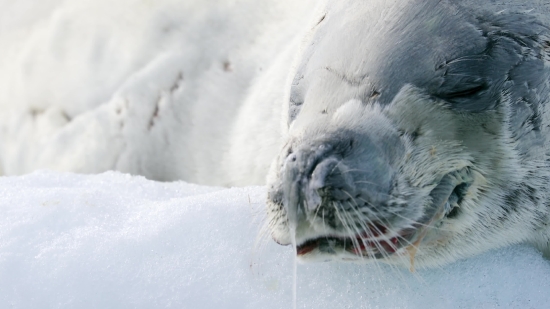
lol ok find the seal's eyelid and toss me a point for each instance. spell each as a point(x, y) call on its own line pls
point(461, 86)
point(467, 91)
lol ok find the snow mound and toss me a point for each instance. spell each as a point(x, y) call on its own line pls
point(133, 85)
point(119, 241)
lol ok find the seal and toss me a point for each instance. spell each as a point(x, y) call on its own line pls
point(408, 130)
point(417, 133)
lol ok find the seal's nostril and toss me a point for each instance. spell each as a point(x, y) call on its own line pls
point(291, 158)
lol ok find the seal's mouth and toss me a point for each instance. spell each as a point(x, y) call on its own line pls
point(366, 244)
point(375, 243)
point(378, 240)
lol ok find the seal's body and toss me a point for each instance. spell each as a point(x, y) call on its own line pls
point(421, 135)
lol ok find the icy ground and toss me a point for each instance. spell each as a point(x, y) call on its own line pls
point(117, 241)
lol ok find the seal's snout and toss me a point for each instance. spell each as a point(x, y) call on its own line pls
point(324, 179)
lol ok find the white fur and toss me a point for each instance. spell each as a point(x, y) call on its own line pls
point(167, 89)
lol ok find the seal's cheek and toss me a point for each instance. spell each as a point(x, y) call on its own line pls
point(445, 139)
point(420, 115)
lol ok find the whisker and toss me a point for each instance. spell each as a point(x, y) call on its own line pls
point(389, 229)
point(347, 228)
point(385, 238)
point(407, 218)
point(367, 229)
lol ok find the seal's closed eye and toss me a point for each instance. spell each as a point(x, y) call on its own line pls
point(467, 92)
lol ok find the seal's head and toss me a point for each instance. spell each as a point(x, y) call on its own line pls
point(415, 129)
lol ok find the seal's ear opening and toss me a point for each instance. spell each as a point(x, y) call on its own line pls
point(453, 204)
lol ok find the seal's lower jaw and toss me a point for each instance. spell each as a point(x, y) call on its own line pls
point(356, 248)
point(361, 248)
point(379, 242)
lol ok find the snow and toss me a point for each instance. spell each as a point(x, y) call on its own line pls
point(118, 241)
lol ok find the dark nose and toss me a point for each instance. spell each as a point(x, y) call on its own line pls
point(341, 171)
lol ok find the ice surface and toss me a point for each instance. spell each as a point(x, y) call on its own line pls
point(117, 241)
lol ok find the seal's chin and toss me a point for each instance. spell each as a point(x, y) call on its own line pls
point(378, 241)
